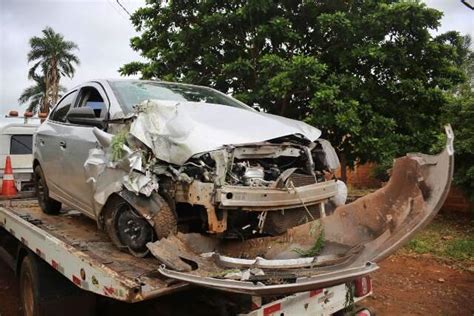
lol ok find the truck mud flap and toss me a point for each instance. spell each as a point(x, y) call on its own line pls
point(331, 250)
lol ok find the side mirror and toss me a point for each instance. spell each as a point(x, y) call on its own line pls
point(84, 116)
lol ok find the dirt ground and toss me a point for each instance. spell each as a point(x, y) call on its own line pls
point(421, 285)
point(404, 285)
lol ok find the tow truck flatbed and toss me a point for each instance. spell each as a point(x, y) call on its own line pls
point(72, 244)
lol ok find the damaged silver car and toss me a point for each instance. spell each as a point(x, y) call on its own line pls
point(221, 194)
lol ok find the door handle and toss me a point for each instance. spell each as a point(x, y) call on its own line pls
point(62, 144)
point(41, 141)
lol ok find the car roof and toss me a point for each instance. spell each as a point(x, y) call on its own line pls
point(108, 80)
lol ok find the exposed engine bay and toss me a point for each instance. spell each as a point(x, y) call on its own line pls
point(241, 187)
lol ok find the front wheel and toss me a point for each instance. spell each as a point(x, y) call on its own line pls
point(48, 205)
point(126, 228)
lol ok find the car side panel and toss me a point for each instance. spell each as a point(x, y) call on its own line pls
point(80, 140)
point(47, 151)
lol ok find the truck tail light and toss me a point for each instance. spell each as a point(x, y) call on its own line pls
point(364, 312)
point(363, 286)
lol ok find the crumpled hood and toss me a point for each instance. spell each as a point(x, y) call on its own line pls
point(176, 131)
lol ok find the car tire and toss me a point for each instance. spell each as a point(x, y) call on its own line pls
point(48, 205)
point(117, 214)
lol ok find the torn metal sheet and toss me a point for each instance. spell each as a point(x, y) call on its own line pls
point(176, 131)
point(331, 156)
point(108, 176)
point(355, 236)
point(140, 183)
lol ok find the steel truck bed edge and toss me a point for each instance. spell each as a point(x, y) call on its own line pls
point(91, 264)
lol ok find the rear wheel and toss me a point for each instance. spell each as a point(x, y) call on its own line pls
point(45, 292)
point(48, 205)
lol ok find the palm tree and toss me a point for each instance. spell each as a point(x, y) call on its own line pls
point(35, 94)
point(54, 56)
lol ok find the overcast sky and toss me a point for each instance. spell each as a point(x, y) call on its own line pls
point(102, 31)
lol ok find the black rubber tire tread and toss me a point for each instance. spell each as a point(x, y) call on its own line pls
point(109, 213)
point(165, 220)
point(28, 271)
point(47, 204)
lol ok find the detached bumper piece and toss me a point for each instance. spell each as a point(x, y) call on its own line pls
point(260, 289)
point(331, 250)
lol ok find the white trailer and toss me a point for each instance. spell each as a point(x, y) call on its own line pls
point(67, 266)
point(16, 141)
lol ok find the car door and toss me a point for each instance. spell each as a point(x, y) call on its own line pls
point(49, 140)
point(79, 142)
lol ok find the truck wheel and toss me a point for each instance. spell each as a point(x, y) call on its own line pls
point(29, 299)
point(45, 292)
point(48, 205)
point(126, 228)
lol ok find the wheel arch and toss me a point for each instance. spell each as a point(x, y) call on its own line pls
point(151, 208)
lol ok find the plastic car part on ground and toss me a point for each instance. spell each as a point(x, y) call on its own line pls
point(356, 237)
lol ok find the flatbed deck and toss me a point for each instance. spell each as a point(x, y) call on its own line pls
point(72, 244)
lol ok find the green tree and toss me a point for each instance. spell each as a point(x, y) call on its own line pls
point(53, 56)
point(460, 113)
point(367, 72)
point(34, 95)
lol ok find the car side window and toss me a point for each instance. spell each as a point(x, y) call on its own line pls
point(91, 97)
point(61, 110)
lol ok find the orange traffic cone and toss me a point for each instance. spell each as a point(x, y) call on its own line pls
point(8, 184)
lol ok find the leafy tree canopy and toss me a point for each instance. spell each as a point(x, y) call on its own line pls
point(366, 72)
point(34, 95)
point(460, 113)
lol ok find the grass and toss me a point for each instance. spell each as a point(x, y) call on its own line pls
point(450, 236)
point(317, 246)
point(117, 145)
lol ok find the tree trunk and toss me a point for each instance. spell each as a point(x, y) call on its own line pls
point(343, 162)
point(54, 82)
point(284, 105)
point(44, 103)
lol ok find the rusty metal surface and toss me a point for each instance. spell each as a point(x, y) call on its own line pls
point(250, 198)
point(357, 234)
point(200, 193)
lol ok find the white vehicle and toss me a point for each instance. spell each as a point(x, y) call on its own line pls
point(16, 140)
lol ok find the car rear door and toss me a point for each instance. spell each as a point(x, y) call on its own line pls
point(49, 140)
point(79, 142)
